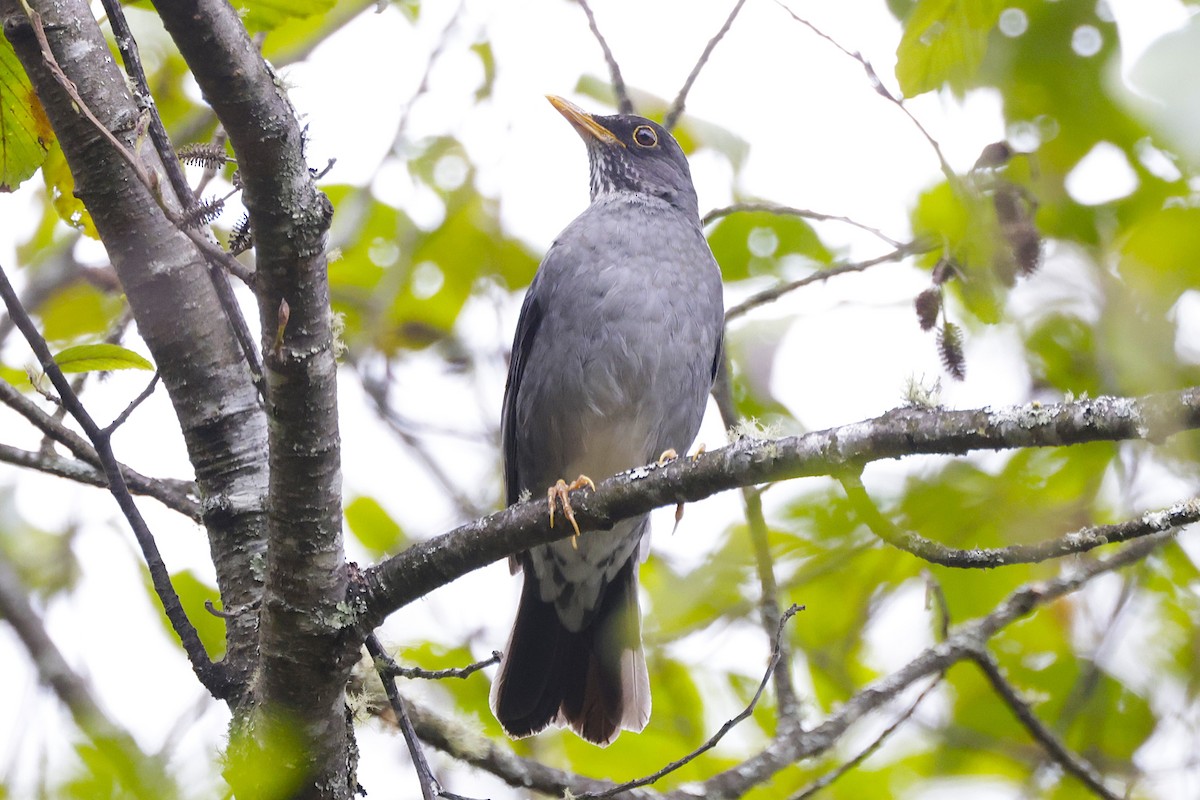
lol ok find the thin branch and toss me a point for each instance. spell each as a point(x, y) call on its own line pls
point(963, 644)
point(388, 666)
point(377, 390)
point(880, 89)
point(776, 292)
point(680, 99)
point(788, 211)
point(720, 734)
point(768, 601)
point(129, 409)
point(825, 780)
point(211, 676)
point(624, 104)
point(430, 788)
point(175, 495)
point(901, 432)
point(788, 747)
point(127, 46)
point(1080, 541)
point(1076, 765)
point(146, 778)
point(423, 86)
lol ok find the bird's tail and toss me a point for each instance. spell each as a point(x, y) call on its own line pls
point(593, 680)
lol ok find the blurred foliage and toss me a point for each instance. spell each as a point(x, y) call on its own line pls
point(1116, 277)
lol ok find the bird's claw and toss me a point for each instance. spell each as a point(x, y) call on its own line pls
point(559, 494)
point(667, 457)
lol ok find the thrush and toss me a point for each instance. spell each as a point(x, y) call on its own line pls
point(616, 350)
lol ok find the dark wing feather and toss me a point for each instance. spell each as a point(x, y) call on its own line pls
point(527, 328)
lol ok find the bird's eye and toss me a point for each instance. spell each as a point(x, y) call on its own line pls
point(645, 136)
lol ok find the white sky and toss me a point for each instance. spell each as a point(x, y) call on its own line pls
point(821, 139)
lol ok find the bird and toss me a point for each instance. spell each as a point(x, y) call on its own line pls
point(616, 349)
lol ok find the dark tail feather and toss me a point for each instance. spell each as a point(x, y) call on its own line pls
point(593, 680)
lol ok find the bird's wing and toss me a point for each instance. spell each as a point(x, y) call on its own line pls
point(527, 328)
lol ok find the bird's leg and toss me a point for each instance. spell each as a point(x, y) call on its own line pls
point(558, 493)
point(679, 506)
point(667, 457)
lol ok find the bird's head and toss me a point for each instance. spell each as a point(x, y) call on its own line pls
point(627, 153)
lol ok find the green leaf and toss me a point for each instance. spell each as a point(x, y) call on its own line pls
point(79, 310)
point(25, 133)
point(193, 593)
point(944, 41)
point(488, 60)
point(749, 243)
point(99, 358)
point(60, 185)
point(373, 526)
point(261, 15)
point(17, 378)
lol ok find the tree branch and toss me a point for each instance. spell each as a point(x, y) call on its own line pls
point(676, 109)
point(212, 676)
point(168, 286)
point(803, 213)
point(1081, 541)
point(776, 292)
point(1054, 747)
point(624, 104)
point(305, 650)
point(901, 432)
point(788, 747)
point(964, 643)
point(146, 778)
point(174, 494)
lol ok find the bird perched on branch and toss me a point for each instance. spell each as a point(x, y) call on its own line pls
point(617, 347)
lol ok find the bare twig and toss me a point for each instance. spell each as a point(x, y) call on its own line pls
point(212, 676)
point(768, 601)
point(624, 104)
point(387, 665)
point(174, 494)
point(720, 734)
point(775, 292)
point(129, 409)
point(880, 89)
point(825, 780)
point(788, 211)
point(676, 108)
point(430, 788)
point(127, 46)
point(423, 87)
point(1057, 750)
point(1080, 541)
point(377, 390)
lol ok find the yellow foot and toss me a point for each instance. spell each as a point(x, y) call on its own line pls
point(557, 494)
point(699, 451)
point(667, 456)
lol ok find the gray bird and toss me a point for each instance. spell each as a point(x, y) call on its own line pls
point(615, 352)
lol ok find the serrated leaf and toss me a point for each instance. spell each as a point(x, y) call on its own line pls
point(25, 133)
point(99, 358)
